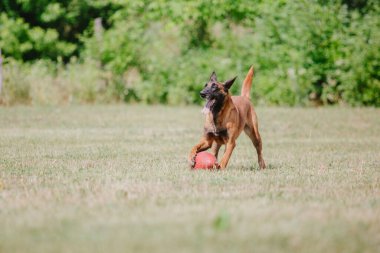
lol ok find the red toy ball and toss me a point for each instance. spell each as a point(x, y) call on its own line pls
point(204, 160)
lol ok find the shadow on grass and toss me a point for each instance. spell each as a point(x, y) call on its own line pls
point(257, 168)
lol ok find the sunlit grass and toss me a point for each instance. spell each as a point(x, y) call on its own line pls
point(115, 179)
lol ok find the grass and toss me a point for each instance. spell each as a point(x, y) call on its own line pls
point(115, 179)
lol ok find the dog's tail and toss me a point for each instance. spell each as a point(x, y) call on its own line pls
point(246, 89)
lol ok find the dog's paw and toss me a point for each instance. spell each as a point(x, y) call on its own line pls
point(262, 164)
point(216, 165)
point(191, 161)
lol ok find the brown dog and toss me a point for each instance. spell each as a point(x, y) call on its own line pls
point(226, 117)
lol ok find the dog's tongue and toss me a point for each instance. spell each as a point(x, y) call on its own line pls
point(207, 108)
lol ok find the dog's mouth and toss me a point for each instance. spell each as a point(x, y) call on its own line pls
point(208, 106)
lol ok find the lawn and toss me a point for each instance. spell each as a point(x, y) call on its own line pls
point(115, 179)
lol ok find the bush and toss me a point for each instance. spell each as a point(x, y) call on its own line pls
point(304, 52)
point(16, 88)
point(47, 83)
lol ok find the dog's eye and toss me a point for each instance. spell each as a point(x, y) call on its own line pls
point(213, 85)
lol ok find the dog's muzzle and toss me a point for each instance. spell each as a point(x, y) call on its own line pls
point(203, 94)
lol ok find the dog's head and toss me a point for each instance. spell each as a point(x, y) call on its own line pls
point(215, 92)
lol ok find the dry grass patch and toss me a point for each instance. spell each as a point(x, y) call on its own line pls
point(115, 179)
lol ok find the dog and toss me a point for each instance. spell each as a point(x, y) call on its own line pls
point(226, 117)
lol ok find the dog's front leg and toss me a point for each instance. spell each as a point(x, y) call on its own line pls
point(215, 149)
point(204, 143)
point(226, 157)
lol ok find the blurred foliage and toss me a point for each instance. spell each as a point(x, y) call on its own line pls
point(35, 29)
point(304, 52)
point(44, 83)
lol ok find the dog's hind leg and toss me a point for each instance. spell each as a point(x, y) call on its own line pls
point(252, 130)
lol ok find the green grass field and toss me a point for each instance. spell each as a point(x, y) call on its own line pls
point(115, 179)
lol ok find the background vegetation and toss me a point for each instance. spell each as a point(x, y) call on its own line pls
point(305, 52)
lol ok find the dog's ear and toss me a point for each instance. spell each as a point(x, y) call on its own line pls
point(213, 77)
point(227, 85)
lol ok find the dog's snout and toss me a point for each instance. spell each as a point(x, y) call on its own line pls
point(203, 94)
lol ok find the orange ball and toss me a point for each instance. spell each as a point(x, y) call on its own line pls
point(204, 160)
